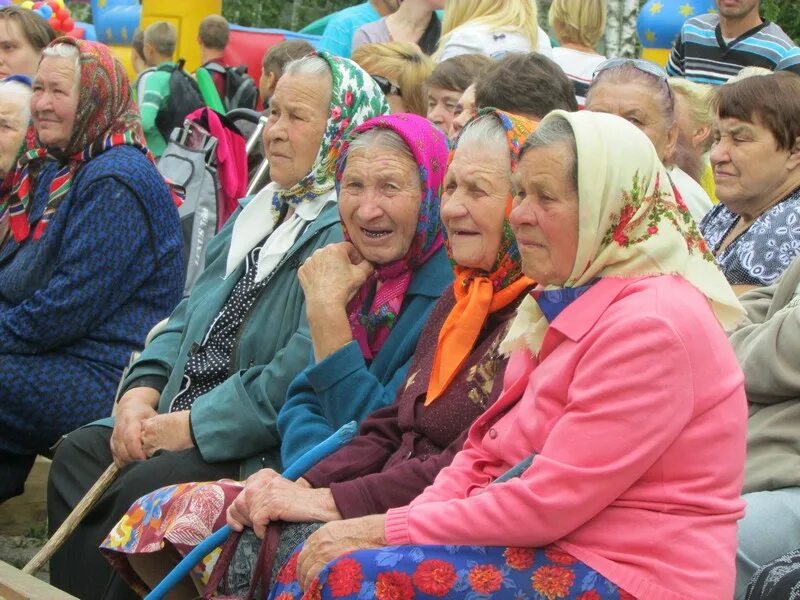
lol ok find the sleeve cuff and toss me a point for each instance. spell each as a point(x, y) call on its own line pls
point(396, 527)
point(335, 367)
point(157, 382)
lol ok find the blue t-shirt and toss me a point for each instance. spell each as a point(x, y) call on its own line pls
point(764, 251)
point(338, 35)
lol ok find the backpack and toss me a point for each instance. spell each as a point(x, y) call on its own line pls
point(240, 89)
point(190, 162)
point(184, 98)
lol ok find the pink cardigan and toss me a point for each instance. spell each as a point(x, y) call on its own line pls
point(637, 414)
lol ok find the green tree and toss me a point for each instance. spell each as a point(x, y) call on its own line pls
point(785, 13)
point(282, 14)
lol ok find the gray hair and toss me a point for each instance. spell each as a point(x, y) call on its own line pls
point(487, 133)
point(314, 67)
point(69, 52)
point(555, 130)
point(20, 95)
point(384, 138)
point(627, 73)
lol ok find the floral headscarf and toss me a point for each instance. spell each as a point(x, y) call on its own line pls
point(355, 98)
point(107, 116)
point(428, 145)
point(630, 223)
point(478, 293)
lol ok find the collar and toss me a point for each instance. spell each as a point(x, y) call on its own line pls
point(433, 276)
point(580, 316)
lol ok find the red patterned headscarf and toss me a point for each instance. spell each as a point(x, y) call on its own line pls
point(107, 116)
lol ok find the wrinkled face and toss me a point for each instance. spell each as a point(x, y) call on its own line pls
point(476, 190)
point(545, 214)
point(464, 111)
point(635, 103)
point(748, 166)
point(17, 56)
point(298, 113)
point(441, 106)
point(54, 103)
point(379, 201)
point(734, 9)
point(12, 132)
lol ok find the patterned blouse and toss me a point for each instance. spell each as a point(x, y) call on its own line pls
point(759, 255)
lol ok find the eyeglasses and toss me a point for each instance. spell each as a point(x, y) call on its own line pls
point(645, 66)
point(387, 87)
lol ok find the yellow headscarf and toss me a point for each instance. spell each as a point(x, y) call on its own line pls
point(630, 224)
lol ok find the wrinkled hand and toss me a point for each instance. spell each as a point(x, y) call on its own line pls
point(282, 500)
point(238, 514)
point(335, 539)
point(333, 274)
point(170, 431)
point(134, 408)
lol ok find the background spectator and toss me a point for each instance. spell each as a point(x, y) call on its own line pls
point(23, 36)
point(695, 121)
point(528, 84)
point(414, 22)
point(401, 70)
point(446, 84)
point(152, 86)
point(756, 161)
point(15, 118)
point(492, 28)
point(137, 52)
point(213, 39)
point(275, 61)
point(578, 25)
point(464, 112)
point(338, 35)
point(714, 47)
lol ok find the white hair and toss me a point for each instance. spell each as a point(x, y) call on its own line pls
point(20, 95)
point(385, 138)
point(69, 52)
point(313, 67)
point(555, 130)
point(485, 133)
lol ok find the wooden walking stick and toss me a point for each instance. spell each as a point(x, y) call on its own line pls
point(72, 521)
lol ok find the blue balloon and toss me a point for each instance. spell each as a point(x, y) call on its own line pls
point(660, 21)
point(45, 11)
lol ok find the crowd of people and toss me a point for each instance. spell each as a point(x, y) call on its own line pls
point(557, 292)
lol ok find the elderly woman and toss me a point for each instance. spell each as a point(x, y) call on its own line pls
point(23, 36)
point(15, 117)
point(638, 91)
point(367, 300)
point(756, 161)
point(695, 123)
point(201, 401)
point(400, 69)
point(617, 430)
point(414, 21)
point(93, 260)
point(455, 374)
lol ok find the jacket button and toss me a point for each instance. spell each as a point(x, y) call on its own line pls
point(493, 433)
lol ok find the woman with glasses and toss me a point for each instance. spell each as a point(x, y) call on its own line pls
point(638, 91)
point(400, 70)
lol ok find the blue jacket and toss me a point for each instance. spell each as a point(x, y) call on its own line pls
point(344, 387)
point(107, 268)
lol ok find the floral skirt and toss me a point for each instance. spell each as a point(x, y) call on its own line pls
point(455, 572)
point(181, 515)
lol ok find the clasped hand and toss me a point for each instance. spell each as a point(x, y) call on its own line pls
point(333, 274)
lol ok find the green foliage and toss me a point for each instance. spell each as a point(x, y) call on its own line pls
point(785, 13)
point(282, 14)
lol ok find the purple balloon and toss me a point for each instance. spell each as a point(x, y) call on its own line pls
point(6, 2)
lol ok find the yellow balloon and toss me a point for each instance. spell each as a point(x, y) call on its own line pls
point(60, 3)
point(27, 4)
